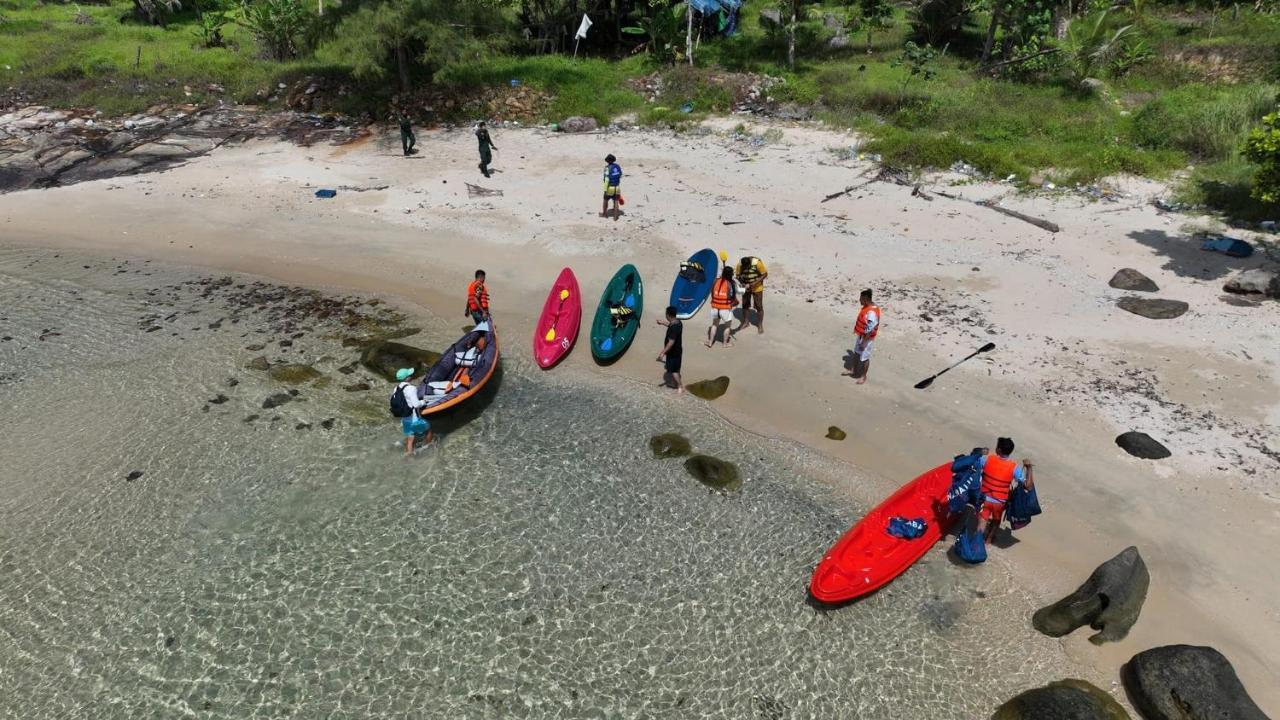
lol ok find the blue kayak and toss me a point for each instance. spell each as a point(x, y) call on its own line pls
point(693, 283)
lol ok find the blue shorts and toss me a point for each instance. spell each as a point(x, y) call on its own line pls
point(414, 425)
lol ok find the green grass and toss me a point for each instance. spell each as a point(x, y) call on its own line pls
point(1204, 121)
point(1224, 186)
point(588, 87)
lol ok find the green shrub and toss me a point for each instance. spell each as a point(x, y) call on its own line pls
point(1207, 122)
point(1262, 148)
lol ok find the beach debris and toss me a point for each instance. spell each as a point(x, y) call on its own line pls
point(1074, 699)
point(232, 382)
point(1153, 308)
point(327, 423)
point(714, 472)
point(733, 222)
point(994, 204)
point(326, 193)
point(1109, 601)
point(669, 445)
point(258, 363)
point(293, 373)
point(1176, 682)
point(276, 400)
point(477, 191)
point(285, 343)
point(835, 433)
point(709, 389)
point(1256, 281)
point(385, 358)
point(851, 188)
point(1170, 205)
point(1229, 246)
point(357, 387)
point(361, 188)
point(250, 418)
point(1142, 445)
point(1130, 279)
point(133, 475)
point(348, 368)
point(579, 124)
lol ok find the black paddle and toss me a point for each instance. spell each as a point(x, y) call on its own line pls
point(929, 380)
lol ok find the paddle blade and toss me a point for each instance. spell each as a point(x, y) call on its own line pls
point(987, 348)
point(925, 382)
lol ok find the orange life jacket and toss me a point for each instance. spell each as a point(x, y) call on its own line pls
point(997, 476)
point(477, 297)
point(860, 327)
point(722, 295)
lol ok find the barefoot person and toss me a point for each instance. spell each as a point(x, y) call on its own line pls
point(407, 406)
point(612, 191)
point(751, 275)
point(866, 328)
point(999, 475)
point(672, 349)
point(478, 299)
point(724, 297)
point(486, 147)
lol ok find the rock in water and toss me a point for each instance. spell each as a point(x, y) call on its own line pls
point(1109, 601)
point(1062, 700)
point(714, 472)
point(384, 358)
point(258, 363)
point(1142, 445)
point(276, 400)
point(669, 445)
point(709, 389)
point(1255, 281)
point(835, 433)
point(1154, 308)
point(1130, 279)
point(293, 373)
point(133, 475)
point(1187, 682)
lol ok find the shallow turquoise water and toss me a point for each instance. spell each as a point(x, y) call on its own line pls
point(536, 563)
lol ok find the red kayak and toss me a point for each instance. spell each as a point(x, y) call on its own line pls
point(867, 557)
point(557, 327)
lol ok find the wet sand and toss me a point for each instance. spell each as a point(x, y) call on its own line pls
point(1070, 373)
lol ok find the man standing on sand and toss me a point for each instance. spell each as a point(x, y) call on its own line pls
point(407, 138)
point(724, 297)
point(486, 145)
point(866, 328)
point(612, 191)
point(672, 349)
point(751, 275)
point(999, 476)
point(478, 299)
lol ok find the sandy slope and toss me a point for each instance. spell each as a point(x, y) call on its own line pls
point(1070, 373)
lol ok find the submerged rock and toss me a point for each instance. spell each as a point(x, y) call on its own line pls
point(276, 400)
point(1154, 308)
point(1062, 700)
point(1130, 279)
point(709, 389)
point(293, 373)
point(1142, 445)
point(384, 358)
point(714, 472)
point(133, 475)
point(669, 445)
point(357, 387)
point(1181, 682)
point(1109, 601)
point(835, 433)
point(259, 363)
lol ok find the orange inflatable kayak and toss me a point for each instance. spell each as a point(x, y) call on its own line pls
point(867, 557)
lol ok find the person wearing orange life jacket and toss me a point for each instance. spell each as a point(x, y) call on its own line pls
point(999, 475)
point(865, 328)
point(478, 299)
point(724, 297)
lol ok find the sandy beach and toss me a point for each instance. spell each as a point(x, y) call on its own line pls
point(1070, 372)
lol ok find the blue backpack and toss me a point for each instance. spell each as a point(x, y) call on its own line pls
point(966, 481)
point(1023, 505)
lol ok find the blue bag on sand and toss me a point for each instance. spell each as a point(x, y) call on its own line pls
point(1228, 246)
point(970, 546)
point(326, 193)
point(966, 481)
point(901, 527)
point(1023, 505)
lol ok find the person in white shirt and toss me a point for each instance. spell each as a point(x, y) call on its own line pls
point(415, 427)
point(865, 329)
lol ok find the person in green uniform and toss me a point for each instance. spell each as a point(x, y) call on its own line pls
point(486, 146)
point(407, 138)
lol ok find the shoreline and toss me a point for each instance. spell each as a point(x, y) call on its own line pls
point(427, 240)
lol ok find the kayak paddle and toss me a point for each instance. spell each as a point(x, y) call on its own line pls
point(929, 380)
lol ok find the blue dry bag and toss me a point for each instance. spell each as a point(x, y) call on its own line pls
point(1023, 505)
point(901, 527)
point(966, 481)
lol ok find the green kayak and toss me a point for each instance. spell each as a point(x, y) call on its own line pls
point(618, 315)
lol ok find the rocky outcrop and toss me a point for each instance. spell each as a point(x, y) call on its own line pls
point(385, 358)
point(1255, 282)
point(714, 472)
point(1109, 601)
point(1187, 682)
point(579, 124)
point(1130, 279)
point(709, 389)
point(669, 445)
point(1154, 308)
point(1062, 700)
point(1142, 445)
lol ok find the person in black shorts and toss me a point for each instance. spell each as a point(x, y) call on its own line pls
point(672, 350)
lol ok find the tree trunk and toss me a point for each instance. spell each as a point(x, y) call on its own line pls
point(991, 32)
point(868, 39)
point(1061, 19)
point(791, 35)
point(402, 64)
point(688, 32)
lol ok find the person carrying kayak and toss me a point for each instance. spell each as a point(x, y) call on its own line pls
point(407, 406)
point(612, 179)
point(999, 476)
point(724, 297)
point(478, 299)
point(486, 146)
point(751, 275)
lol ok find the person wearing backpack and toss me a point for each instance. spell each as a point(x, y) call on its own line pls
point(406, 405)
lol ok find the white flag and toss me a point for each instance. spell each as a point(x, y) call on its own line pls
point(582, 29)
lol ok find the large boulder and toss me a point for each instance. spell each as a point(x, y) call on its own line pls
point(1187, 682)
point(1062, 700)
point(385, 358)
point(1109, 601)
point(1154, 308)
point(1142, 445)
point(579, 124)
point(1130, 279)
point(1255, 282)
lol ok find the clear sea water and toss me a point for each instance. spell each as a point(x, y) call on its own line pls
point(536, 563)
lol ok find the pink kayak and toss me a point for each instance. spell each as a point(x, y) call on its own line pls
point(557, 327)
